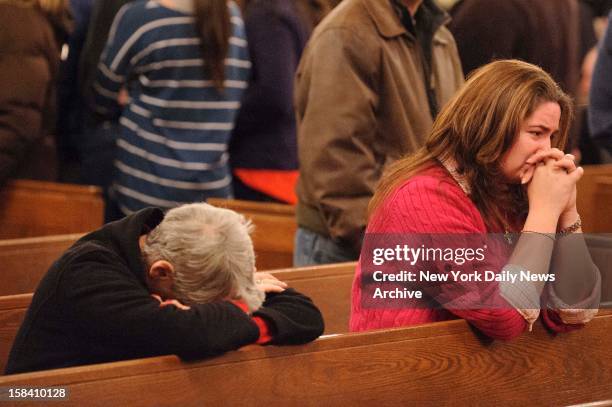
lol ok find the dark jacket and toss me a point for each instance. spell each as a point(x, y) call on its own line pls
point(102, 15)
point(362, 101)
point(541, 32)
point(93, 306)
point(600, 107)
point(29, 60)
point(264, 135)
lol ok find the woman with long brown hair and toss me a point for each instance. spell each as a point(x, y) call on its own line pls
point(492, 164)
point(185, 66)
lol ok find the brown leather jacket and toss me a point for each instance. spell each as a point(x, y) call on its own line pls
point(361, 102)
point(29, 61)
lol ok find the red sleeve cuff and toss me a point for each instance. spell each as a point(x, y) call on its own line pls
point(555, 324)
point(264, 331)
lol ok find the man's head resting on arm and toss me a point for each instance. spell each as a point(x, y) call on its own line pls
point(200, 254)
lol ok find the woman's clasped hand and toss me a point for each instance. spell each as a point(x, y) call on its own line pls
point(551, 177)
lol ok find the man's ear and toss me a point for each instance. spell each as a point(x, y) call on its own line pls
point(161, 271)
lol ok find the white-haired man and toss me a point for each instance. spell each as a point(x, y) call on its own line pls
point(150, 284)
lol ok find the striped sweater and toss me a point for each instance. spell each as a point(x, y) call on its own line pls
point(172, 148)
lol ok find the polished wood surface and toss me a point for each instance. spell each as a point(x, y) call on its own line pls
point(12, 312)
point(586, 197)
point(270, 208)
point(443, 363)
point(37, 208)
point(28, 259)
point(603, 205)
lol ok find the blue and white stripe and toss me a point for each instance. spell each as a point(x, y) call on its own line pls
point(175, 131)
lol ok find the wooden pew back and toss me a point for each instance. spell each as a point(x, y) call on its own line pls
point(586, 201)
point(443, 363)
point(12, 312)
point(273, 241)
point(37, 208)
point(28, 259)
point(600, 247)
point(603, 204)
point(274, 233)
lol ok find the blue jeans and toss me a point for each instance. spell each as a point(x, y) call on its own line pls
point(313, 248)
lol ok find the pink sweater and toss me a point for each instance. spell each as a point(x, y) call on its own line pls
point(432, 202)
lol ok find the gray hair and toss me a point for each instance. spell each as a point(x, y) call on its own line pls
point(211, 252)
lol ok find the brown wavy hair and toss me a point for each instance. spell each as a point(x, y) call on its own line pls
point(476, 127)
point(214, 26)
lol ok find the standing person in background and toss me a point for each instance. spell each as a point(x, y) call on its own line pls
point(542, 32)
point(263, 149)
point(546, 33)
point(185, 64)
point(369, 84)
point(31, 34)
point(96, 146)
point(69, 128)
point(600, 107)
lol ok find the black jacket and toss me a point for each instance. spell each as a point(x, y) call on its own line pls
point(93, 306)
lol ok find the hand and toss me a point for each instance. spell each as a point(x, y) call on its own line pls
point(176, 303)
point(563, 161)
point(553, 186)
point(539, 156)
point(123, 98)
point(268, 283)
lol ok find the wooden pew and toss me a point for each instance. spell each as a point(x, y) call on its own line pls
point(36, 208)
point(273, 240)
point(274, 233)
point(600, 247)
point(586, 201)
point(28, 259)
point(264, 208)
point(443, 363)
point(329, 287)
point(12, 311)
point(602, 204)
